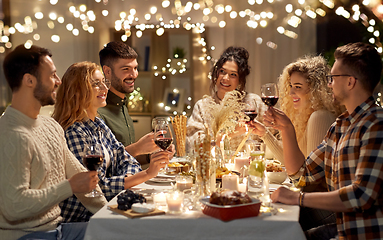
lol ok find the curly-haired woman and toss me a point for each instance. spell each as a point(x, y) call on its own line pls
point(229, 73)
point(307, 101)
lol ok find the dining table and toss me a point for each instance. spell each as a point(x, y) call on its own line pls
point(193, 224)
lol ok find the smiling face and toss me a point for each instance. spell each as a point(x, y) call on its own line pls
point(99, 93)
point(299, 90)
point(228, 78)
point(122, 75)
point(47, 82)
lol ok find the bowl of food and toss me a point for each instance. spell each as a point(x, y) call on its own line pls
point(230, 205)
point(275, 172)
point(178, 167)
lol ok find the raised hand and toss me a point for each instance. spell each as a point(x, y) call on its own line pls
point(276, 118)
point(158, 160)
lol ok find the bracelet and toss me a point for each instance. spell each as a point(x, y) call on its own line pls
point(301, 196)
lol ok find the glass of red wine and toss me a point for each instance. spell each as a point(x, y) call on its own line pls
point(162, 135)
point(250, 109)
point(92, 160)
point(269, 94)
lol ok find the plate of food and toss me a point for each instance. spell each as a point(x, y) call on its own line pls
point(220, 171)
point(176, 167)
point(229, 205)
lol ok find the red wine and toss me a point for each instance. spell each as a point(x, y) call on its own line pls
point(92, 162)
point(270, 101)
point(163, 143)
point(251, 114)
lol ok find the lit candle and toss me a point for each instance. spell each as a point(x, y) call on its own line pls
point(239, 162)
point(230, 181)
point(242, 186)
point(174, 201)
point(159, 199)
point(184, 182)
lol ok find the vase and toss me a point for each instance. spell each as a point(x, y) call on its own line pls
point(205, 169)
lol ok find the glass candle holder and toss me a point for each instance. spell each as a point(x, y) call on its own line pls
point(184, 182)
point(175, 201)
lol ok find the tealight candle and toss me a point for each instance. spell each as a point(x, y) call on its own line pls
point(184, 182)
point(159, 199)
point(230, 181)
point(239, 162)
point(242, 186)
point(174, 201)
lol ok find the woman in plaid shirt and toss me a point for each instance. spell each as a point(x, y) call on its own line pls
point(82, 92)
point(350, 158)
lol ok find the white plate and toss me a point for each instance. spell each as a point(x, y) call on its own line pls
point(160, 179)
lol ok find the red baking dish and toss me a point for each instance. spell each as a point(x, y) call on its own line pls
point(231, 212)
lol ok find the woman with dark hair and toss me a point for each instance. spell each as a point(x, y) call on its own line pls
point(228, 74)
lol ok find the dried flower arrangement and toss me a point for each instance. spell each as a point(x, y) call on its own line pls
point(224, 115)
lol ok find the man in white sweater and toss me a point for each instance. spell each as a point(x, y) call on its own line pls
point(37, 171)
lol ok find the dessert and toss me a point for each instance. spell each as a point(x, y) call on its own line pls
point(229, 197)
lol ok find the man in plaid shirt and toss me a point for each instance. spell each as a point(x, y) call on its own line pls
point(350, 158)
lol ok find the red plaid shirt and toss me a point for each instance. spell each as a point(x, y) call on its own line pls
point(351, 160)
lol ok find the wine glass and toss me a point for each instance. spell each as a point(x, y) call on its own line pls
point(92, 160)
point(162, 135)
point(250, 109)
point(158, 120)
point(270, 94)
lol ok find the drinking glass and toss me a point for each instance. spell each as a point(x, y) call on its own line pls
point(250, 109)
point(158, 120)
point(162, 135)
point(269, 94)
point(92, 160)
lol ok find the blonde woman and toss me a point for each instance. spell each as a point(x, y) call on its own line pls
point(82, 92)
point(307, 101)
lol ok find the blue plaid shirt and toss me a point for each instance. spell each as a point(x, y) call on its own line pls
point(111, 179)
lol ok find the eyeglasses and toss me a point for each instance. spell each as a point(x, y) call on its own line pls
point(330, 77)
point(100, 85)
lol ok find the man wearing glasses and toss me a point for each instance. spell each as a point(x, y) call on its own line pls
point(350, 158)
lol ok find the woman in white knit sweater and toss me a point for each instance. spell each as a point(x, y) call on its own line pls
point(307, 101)
point(228, 74)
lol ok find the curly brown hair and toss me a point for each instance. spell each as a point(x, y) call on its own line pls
point(240, 56)
point(314, 69)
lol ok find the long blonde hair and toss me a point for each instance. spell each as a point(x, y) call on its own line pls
point(314, 69)
point(75, 94)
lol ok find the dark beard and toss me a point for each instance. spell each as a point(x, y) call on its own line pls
point(43, 95)
point(117, 84)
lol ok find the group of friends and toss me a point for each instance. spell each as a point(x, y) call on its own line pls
point(327, 132)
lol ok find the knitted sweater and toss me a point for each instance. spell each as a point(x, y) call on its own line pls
point(317, 126)
point(35, 164)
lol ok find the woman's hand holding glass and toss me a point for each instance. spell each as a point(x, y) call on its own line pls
point(158, 161)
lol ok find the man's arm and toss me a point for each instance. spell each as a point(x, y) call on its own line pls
point(330, 201)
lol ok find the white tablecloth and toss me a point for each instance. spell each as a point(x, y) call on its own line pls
point(193, 225)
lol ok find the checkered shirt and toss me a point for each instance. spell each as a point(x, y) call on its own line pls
point(111, 179)
point(350, 159)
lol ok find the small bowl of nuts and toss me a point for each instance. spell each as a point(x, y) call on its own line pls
point(275, 172)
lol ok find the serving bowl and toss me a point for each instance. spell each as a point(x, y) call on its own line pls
point(277, 177)
point(231, 212)
point(179, 167)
